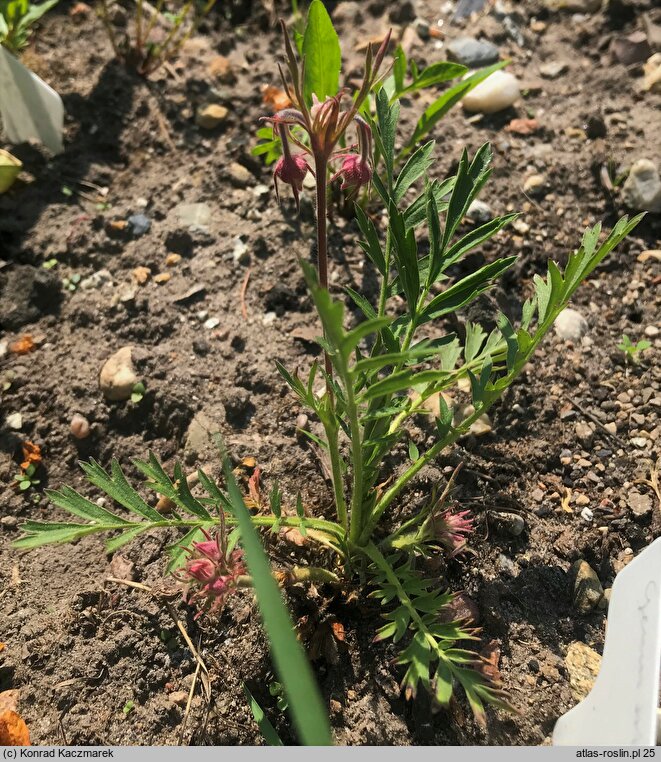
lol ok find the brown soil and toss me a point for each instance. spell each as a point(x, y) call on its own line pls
point(77, 647)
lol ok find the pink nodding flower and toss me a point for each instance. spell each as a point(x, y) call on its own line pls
point(356, 170)
point(290, 169)
point(210, 573)
point(451, 530)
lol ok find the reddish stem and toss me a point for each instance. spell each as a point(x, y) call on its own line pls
point(321, 167)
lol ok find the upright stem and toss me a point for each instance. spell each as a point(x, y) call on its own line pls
point(320, 168)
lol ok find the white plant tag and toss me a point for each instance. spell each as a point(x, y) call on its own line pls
point(29, 108)
point(621, 709)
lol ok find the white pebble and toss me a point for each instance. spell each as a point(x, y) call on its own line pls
point(498, 91)
point(15, 421)
point(570, 325)
point(211, 323)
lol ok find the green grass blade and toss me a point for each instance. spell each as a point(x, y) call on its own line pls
point(305, 702)
point(269, 733)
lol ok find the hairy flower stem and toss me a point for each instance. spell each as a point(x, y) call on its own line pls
point(357, 502)
point(336, 474)
point(321, 172)
point(383, 295)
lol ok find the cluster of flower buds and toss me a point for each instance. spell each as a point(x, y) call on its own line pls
point(211, 573)
point(451, 529)
point(325, 123)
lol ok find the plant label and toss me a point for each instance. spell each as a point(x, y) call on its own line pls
point(29, 108)
point(621, 709)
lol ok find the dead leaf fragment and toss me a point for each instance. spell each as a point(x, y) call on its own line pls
point(31, 455)
point(13, 730)
point(490, 658)
point(338, 630)
point(23, 345)
point(275, 98)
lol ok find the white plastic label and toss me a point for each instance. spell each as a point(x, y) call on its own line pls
point(29, 108)
point(621, 709)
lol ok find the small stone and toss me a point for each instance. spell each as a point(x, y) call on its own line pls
point(524, 126)
point(535, 185)
point(640, 504)
point(642, 189)
point(509, 523)
point(194, 294)
point(605, 601)
point(139, 225)
point(9, 521)
point(302, 422)
point(570, 325)
point(141, 275)
point(649, 255)
point(595, 127)
point(96, 280)
point(198, 435)
point(472, 53)
point(239, 175)
point(611, 427)
point(520, 226)
point(180, 698)
point(582, 500)
point(652, 70)
point(423, 28)
point(584, 434)
point(269, 318)
point(498, 91)
point(479, 212)
point(221, 69)
point(631, 48)
point(79, 427)
point(194, 215)
point(587, 515)
point(574, 6)
point(583, 665)
point(210, 116)
point(172, 260)
point(118, 377)
point(162, 277)
point(402, 13)
point(586, 586)
point(553, 69)
point(240, 254)
point(466, 8)
point(211, 323)
point(481, 426)
point(15, 421)
point(505, 565)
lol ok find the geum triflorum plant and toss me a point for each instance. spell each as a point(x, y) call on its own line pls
point(377, 376)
